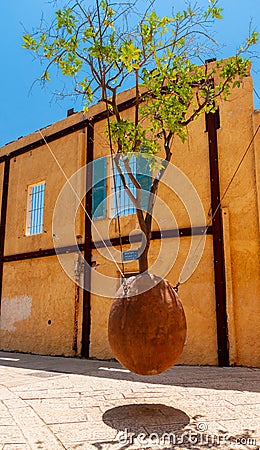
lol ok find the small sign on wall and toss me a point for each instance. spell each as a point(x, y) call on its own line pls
point(131, 255)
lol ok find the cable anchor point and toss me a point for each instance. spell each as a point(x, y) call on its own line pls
point(176, 287)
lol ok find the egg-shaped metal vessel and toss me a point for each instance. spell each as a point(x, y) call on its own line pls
point(147, 325)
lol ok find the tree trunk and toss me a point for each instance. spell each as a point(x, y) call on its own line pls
point(143, 259)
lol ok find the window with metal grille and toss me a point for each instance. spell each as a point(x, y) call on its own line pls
point(99, 188)
point(121, 203)
point(35, 209)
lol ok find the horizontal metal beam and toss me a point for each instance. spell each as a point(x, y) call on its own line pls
point(52, 137)
point(164, 234)
point(42, 253)
point(157, 234)
point(66, 131)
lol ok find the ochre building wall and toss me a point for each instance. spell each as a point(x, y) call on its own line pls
point(37, 308)
point(241, 224)
point(38, 298)
point(41, 310)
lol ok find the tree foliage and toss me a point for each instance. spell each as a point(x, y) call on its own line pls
point(108, 46)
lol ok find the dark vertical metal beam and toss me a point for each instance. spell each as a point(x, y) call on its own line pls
point(3, 221)
point(212, 120)
point(87, 245)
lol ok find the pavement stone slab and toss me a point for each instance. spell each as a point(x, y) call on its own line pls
point(57, 411)
point(15, 447)
point(11, 434)
point(58, 403)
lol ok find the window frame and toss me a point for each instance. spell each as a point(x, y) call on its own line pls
point(114, 190)
point(29, 210)
point(101, 187)
point(112, 205)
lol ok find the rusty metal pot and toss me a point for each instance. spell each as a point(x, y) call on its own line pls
point(147, 326)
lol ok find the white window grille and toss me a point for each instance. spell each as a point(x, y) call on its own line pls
point(35, 209)
point(121, 205)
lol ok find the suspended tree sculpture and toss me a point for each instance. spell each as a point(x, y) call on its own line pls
point(107, 46)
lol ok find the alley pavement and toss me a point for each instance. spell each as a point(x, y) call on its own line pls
point(56, 403)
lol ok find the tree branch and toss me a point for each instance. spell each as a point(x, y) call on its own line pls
point(123, 179)
point(137, 203)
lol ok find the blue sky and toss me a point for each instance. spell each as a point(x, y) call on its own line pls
point(24, 108)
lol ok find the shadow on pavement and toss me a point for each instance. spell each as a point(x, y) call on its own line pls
point(137, 418)
point(219, 378)
point(152, 425)
point(141, 423)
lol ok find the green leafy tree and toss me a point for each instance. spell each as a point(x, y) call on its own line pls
point(107, 46)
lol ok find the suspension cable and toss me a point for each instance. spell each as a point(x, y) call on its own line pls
point(80, 201)
point(220, 201)
point(104, 87)
point(115, 186)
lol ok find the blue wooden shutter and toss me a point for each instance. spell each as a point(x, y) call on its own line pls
point(99, 190)
point(144, 177)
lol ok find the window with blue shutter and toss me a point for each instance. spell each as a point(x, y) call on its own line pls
point(99, 188)
point(143, 176)
point(122, 204)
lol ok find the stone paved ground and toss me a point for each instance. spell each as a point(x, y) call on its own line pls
point(65, 403)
